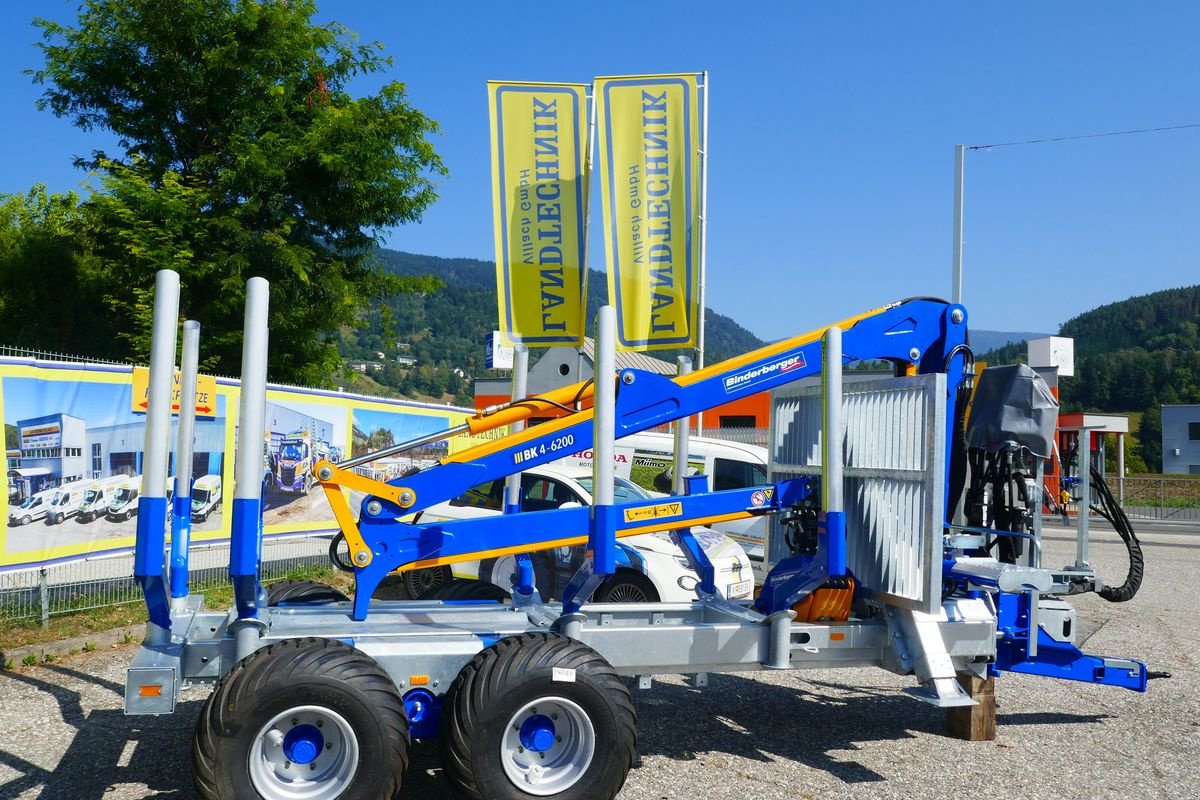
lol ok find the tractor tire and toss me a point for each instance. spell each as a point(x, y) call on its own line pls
point(626, 586)
point(310, 718)
point(465, 589)
point(420, 583)
point(538, 715)
point(308, 592)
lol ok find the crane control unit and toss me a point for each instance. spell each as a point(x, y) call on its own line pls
point(317, 695)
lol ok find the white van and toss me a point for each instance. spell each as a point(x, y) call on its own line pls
point(66, 501)
point(648, 459)
point(124, 502)
point(650, 568)
point(33, 508)
point(97, 497)
point(206, 497)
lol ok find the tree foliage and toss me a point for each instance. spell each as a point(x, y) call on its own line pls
point(242, 153)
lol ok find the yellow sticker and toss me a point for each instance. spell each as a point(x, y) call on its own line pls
point(654, 512)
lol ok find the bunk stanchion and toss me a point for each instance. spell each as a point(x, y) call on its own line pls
point(601, 560)
point(832, 523)
point(150, 544)
point(246, 534)
point(181, 518)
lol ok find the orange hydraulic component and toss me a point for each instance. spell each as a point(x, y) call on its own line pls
point(829, 603)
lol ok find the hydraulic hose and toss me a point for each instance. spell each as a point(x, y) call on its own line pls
point(1111, 510)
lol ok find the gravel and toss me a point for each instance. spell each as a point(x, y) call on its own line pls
point(810, 734)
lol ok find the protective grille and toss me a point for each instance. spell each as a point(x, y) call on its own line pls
point(895, 454)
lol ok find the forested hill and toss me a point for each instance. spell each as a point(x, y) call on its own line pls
point(1132, 356)
point(444, 330)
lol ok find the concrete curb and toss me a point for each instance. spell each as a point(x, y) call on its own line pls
point(101, 639)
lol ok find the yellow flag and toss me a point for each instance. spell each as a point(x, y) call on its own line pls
point(539, 194)
point(649, 128)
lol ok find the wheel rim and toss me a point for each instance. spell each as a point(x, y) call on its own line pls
point(423, 581)
point(548, 745)
point(304, 753)
point(626, 593)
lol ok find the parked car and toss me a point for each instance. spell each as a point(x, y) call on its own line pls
point(648, 459)
point(66, 501)
point(33, 508)
point(124, 503)
point(649, 566)
point(97, 497)
point(206, 497)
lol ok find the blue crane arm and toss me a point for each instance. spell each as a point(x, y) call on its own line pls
point(928, 334)
point(921, 332)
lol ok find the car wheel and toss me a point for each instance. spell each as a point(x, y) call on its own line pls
point(25, 520)
point(420, 583)
point(627, 586)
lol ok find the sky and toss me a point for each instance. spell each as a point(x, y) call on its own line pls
point(831, 141)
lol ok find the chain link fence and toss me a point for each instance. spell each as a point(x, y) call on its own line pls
point(108, 581)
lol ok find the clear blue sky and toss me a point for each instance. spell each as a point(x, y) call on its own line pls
point(832, 135)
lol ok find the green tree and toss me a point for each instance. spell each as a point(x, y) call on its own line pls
point(243, 153)
point(47, 282)
point(12, 441)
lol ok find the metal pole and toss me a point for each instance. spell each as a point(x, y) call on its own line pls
point(587, 233)
point(246, 534)
point(832, 474)
point(956, 270)
point(150, 544)
point(181, 519)
point(520, 378)
point(682, 435)
point(703, 240)
point(1121, 469)
point(603, 539)
point(374, 455)
point(1085, 498)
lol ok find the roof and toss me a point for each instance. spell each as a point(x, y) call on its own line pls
point(29, 472)
point(627, 360)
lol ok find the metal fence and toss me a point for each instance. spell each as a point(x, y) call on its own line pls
point(1159, 498)
point(108, 581)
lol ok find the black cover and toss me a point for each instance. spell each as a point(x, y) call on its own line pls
point(1013, 407)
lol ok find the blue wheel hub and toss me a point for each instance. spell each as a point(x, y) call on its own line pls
point(303, 743)
point(537, 733)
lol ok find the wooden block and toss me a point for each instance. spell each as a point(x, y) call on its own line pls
point(974, 723)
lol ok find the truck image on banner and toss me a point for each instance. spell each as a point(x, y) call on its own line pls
point(650, 142)
point(540, 192)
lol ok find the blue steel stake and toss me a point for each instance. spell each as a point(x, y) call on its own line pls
point(181, 519)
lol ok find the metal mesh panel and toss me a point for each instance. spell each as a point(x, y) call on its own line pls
point(894, 450)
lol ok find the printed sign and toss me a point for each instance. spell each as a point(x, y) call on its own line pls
point(540, 194)
point(206, 393)
point(649, 133)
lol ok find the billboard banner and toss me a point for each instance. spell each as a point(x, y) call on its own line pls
point(649, 129)
point(539, 196)
point(74, 453)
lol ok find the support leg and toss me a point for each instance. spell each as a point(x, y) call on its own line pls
point(975, 723)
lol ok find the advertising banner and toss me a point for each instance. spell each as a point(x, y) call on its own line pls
point(539, 194)
point(649, 129)
point(74, 449)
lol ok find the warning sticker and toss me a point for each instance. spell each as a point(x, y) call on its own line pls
point(654, 512)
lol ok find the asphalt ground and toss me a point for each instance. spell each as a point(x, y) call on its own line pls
point(810, 734)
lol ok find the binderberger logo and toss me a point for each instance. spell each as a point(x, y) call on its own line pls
point(757, 375)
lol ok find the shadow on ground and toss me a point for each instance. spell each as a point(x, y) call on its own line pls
point(735, 715)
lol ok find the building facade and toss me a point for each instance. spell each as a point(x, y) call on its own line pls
point(1181, 439)
point(51, 453)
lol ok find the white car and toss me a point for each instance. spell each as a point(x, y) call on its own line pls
point(650, 568)
point(33, 508)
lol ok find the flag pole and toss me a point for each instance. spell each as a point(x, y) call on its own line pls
point(703, 239)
